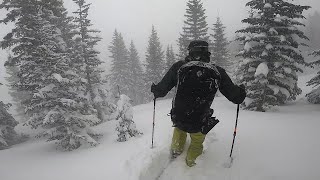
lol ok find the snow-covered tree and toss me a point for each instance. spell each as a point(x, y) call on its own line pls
point(271, 55)
point(47, 72)
point(314, 95)
point(126, 127)
point(154, 62)
point(8, 136)
point(18, 97)
point(183, 43)
point(195, 27)
point(313, 30)
point(170, 60)
point(220, 55)
point(57, 104)
point(136, 92)
point(170, 57)
point(86, 57)
point(120, 73)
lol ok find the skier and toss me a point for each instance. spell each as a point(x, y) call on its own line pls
point(196, 81)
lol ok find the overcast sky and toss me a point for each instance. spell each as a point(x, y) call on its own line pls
point(134, 18)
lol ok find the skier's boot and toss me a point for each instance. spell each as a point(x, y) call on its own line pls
point(174, 154)
point(190, 163)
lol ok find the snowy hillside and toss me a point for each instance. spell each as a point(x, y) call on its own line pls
point(282, 144)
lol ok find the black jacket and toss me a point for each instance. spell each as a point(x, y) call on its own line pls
point(192, 123)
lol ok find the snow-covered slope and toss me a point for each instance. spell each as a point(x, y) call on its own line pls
point(282, 144)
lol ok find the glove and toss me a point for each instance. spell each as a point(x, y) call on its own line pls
point(243, 93)
point(154, 91)
point(153, 88)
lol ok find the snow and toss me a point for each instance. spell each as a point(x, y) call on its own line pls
point(273, 31)
point(267, 5)
point(285, 92)
point(274, 88)
point(269, 46)
point(251, 69)
point(280, 145)
point(256, 15)
point(58, 77)
point(264, 53)
point(277, 64)
point(260, 35)
point(282, 38)
point(262, 69)
point(248, 46)
point(287, 70)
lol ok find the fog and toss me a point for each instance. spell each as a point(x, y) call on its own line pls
point(134, 19)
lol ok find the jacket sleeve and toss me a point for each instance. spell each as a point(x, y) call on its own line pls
point(231, 91)
point(169, 80)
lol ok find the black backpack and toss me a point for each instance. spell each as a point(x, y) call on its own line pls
point(196, 87)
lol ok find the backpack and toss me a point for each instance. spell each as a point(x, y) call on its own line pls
point(196, 87)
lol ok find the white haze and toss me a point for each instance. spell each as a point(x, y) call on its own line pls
point(134, 19)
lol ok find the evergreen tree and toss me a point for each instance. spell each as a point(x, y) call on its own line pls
point(86, 57)
point(195, 27)
point(220, 55)
point(314, 95)
point(124, 113)
point(8, 136)
point(136, 75)
point(154, 62)
point(57, 104)
point(170, 58)
point(46, 71)
point(313, 30)
point(18, 97)
point(271, 53)
point(183, 43)
point(120, 71)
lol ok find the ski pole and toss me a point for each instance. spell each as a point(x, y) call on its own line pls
point(234, 134)
point(153, 124)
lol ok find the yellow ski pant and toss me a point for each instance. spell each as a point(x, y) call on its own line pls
point(196, 146)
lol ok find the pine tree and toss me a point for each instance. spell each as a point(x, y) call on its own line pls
point(271, 53)
point(18, 97)
point(136, 75)
point(314, 95)
point(154, 62)
point(8, 136)
point(47, 72)
point(57, 104)
point(86, 57)
point(220, 55)
point(195, 27)
point(183, 43)
point(124, 114)
point(170, 58)
point(120, 73)
point(313, 29)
